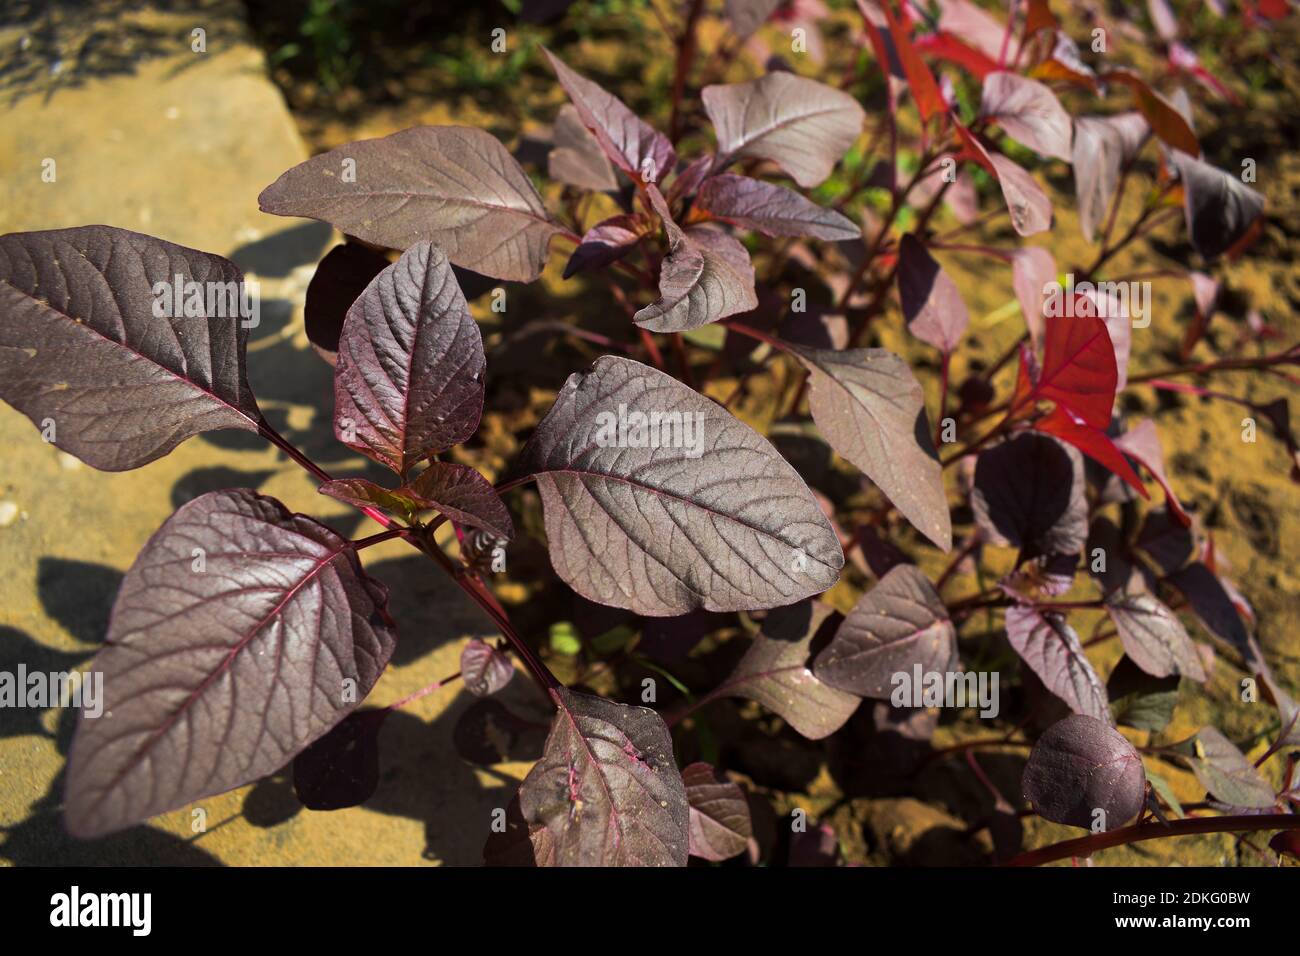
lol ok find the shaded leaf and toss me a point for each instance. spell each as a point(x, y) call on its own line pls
point(1218, 206)
point(82, 348)
point(713, 518)
point(1140, 700)
point(1092, 441)
point(606, 787)
point(1033, 270)
point(899, 624)
point(935, 311)
point(604, 243)
point(1168, 541)
point(1102, 145)
point(1153, 636)
point(1028, 112)
point(1225, 772)
point(219, 676)
point(1213, 606)
point(1080, 766)
point(339, 281)
point(775, 673)
point(484, 668)
point(452, 185)
point(803, 126)
point(720, 824)
point(409, 378)
point(577, 158)
point(341, 769)
point(1049, 645)
point(1029, 493)
point(871, 409)
point(632, 144)
point(770, 209)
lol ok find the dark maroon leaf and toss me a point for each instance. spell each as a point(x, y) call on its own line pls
point(706, 276)
point(1153, 636)
point(775, 672)
point(1169, 542)
point(1081, 766)
point(801, 125)
point(897, 625)
point(933, 306)
point(1116, 567)
point(816, 847)
point(341, 769)
point(484, 669)
point(84, 352)
point(634, 147)
point(1028, 112)
point(486, 733)
point(409, 379)
point(687, 182)
point(577, 158)
point(1218, 206)
point(871, 409)
point(1049, 645)
point(518, 843)
point(241, 634)
point(1139, 700)
point(720, 825)
point(1029, 493)
point(455, 186)
point(604, 243)
point(770, 209)
point(1102, 145)
point(1213, 606)
point(607, 788)
point(712, 518)
point(339, 281)
point(1225, 772)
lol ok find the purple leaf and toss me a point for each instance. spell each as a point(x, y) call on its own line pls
point(341, 769)
point(1028, 112)
point(1225, 772)
point(1102, 145)
point(772, 210)
point(720, 823)
point(604, 243)
point(241, 634)
point(85, 355)
point(577, 158)
point(339, 281)
point(746, 16)
point(801, 125)
point(900, 623)
point(1080, 766)
point(775, 673)
point(1142, 442)
point(871, 409)
point(640, 151)
point(1153, 636)
point(457, 491)
point(1029, 493)
point(484, 669)
point(409, 379)
point(687, 182)
point(520, 843)
point(712, 518)
point(455, 186)
point(1219, 207)
point(706, 276)
point(1030, 209)
point(935, 311)
point(1213, 606)
point(606, 787)
point(1051, 648)
point(1032, 270)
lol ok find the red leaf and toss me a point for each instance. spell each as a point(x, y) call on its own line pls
point(1093, 442)
point(1078, 371)
point(945, 46)
point(1166, 122)
point(919, 78)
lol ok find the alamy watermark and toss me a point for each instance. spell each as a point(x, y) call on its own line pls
point(635, 429)
point(922, 688)
point(191, 299)
point(41, 690)
point(1105, 300)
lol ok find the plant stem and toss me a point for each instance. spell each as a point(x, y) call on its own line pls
point(1088, 845)
point(686, 44)
point(362, 543)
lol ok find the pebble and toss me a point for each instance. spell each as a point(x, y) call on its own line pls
point(8, 513)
